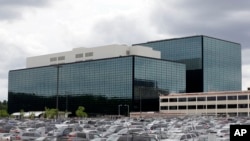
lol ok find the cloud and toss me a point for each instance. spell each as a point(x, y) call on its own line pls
point(245, 77)
point(12, 9)
point(23, 2)
point(119, 29)
point(245, 69)
point(37, 27)
point(222, 19)
point(245, 56)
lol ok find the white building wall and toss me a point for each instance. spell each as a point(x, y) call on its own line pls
point(84, 54)
point(214, 111)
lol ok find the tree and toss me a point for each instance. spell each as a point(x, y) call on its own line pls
point(50, 113)
point(3, 105)
point(80, 112)
point(4, 113)
point(32, 115)
point(21, 113)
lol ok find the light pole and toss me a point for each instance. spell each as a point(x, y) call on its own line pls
point(140, 99)
point(119, 109)
point(57, 88)
point(66, 103)
point(128, 110)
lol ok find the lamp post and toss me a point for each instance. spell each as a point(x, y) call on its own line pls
point(66, 103)
point(128, 110)
point(140, 90)
point(119, 109)
point(57, 88)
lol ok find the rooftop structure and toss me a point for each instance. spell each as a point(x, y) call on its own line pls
point(85, 54)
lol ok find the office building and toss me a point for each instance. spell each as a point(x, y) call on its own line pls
point(212, 64)
point(125, 79)
point(233, 103)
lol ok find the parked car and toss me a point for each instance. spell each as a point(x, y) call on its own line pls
point(62, 131)
point(222, 132)
point(27, 136)
point(5, 136)
point(130, 131)
point(16, 129)
point(182, 137)
point(51, 138)
point(131, 137)
point(112, 129)
point(82, 136)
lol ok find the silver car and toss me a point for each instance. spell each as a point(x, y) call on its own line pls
point(27, 136)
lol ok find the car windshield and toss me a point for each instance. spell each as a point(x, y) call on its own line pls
point(5, 135)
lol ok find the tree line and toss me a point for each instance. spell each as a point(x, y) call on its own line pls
point(49, 113)
point(4, 108)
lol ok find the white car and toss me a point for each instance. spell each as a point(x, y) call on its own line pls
point(222, 132)
point(5, 136)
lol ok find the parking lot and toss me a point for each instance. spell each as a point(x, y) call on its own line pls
point(188, 128)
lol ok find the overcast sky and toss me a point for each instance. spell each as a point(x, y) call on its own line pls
point(37, 27)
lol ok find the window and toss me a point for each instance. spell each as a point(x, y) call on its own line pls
point(243, 97)
point(183, 137)
point(37, 135)
point(182, 99)
point(88, 54)
point(182, 107)
point(67, 131)
point(242, 114)
point(173, 100)
point(164, 100)
point(230, 106)
point(192, 107)
point(164, 107)
point(213, 98)
point(53, 59)
point(61, 58)
point(127, 52)
point(82, 135)
point(243, 106)
point(192, 99)
point(210, 106)
point(234, 97)
point(79, 55)
point(201, 106)
point(219, 98)
point(221, 106)
point(201, 98)
point(189, 136)
point(172, 107)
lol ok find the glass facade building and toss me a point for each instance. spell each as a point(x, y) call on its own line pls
point(212, 64)
point(98, 85)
